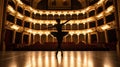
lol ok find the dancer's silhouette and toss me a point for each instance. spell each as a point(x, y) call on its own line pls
point(59, 34)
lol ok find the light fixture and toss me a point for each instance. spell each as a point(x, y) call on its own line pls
point(62, 12)
point(104, 27)
point(15, 27)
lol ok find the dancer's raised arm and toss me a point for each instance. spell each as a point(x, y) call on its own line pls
point(65, 22)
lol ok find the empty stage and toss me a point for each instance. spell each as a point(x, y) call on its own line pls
point(69, 59)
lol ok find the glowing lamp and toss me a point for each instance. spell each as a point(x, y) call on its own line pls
point(78, 32)
point(40, 33)
point(104, 27)
point(77, 12)
point(53, 13)
point(30, 31)
point(89, 30)
point(99, 15)
point(40, 12)
point(11, 9)
point(15, 27)
point(65, 12)
point(109, 9)
point(19, 2)
point(71, 12)
point(47, 33)
point(71, 32)
point(34, 32)
point(20, 15)
point(84, 32)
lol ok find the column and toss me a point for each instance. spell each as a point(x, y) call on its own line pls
point(97, 32)
point(30, 38)
point(70, 26)
point(106, 38)
point(46, 38)
point(97, 37)
point(1, 21)
point(33, 38)
point(40, 39)
point(84, 33)
point(71, 37)
point(117, 20)
point(40, 34)
point(78, 38)
point(85, 38)
point(88, 26)
point(89, 38)
point(3, 5)
point(78, 26)
point(65, 39)
point(34, 34)
point(14, 35)
point(22, 38)
point(53, 38)
point(30, 28)
point(29, 42)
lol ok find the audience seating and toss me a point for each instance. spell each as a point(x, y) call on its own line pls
point(50, 46)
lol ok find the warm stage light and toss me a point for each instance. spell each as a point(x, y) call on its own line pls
point(35, 11)
point(65, 12)
point(99, 15)
point(71, 32)
point(89, 30)
point(20, 2)
point(62, 12)
point(30, 31)
point(41, 12)
point(53, 13)
point(87, 20)
point(29, 19)
point(77, 12)
point(40, 32)
point(90, 19)
point(59, 13)
point(100, 2)
point(78, 32)
point(34, 32)
point(20, 15)
point(71, 12)
point(10, 8)
point(15, 27)
point(47, 33)
point(104, 27)
point(109, 9)
point(47, 13)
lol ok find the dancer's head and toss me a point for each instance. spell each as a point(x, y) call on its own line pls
point(58, 21)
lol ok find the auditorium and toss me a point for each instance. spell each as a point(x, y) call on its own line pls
point(59, 33)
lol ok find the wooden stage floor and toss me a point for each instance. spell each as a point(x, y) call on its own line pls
point(69, 59)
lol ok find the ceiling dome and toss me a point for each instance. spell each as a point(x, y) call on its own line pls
point(59, 4)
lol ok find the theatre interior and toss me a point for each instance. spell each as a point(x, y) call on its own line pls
point(92, 39)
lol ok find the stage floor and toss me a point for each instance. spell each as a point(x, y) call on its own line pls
point(69, 59)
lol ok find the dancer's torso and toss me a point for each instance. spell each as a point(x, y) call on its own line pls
point(59, 28)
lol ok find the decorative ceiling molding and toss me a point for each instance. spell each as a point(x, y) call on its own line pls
point(35, 2)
